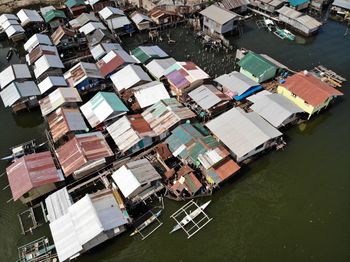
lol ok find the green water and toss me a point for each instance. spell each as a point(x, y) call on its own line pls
point(287, 206)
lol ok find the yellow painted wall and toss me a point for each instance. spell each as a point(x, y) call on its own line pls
point(300, 102)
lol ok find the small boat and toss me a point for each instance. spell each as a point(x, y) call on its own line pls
point(146, 223)
point(9, 54)
point(284, 34)
point(188, 218)
point(269, 24)
point(23, 149)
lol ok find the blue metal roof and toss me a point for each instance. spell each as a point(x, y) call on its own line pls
point(297, 2)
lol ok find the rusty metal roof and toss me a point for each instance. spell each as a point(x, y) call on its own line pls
point(82, 149)
point(31, 171)
point(61, 32)
point(65, 120)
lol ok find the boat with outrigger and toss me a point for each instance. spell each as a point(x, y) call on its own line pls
point(153, 218)
point(284, 34)
point(25, 148)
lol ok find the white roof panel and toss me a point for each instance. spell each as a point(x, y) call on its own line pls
point(29, 16)
point(51, 81)
point(157, 67)
point(46, 62)
point(91, 27)
point(108, 12)
point(150, 93)
point(57, 204)
point(15, 91)
point(13, 30)
point(5, 17)
point(13, 72)
point(236, 82)
point(138, 18)
point(102, 49)
point(218, 14)
point(204, 96)
point(36, 40)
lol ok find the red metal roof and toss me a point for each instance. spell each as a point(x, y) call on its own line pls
point(82, 149)
point(310, 88)
point(31, 171)
point(226, 168)
point(139, 124)
point(112, 65)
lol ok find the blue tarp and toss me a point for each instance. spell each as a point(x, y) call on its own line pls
point(249, 92)
point(297, 2)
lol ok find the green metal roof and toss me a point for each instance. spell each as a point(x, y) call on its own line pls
point(48, 16)
point(72, 3)
point(140, 54)
point(256, 64)
point(111, 98)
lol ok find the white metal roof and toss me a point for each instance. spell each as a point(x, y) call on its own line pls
point(157, 67)
point(51, 81)
point(236, 82)
point(17, 90)
point(91, 27)
point(13, 30)
point(205, 96)
point(242, 132)
point(131, 176)
point(289, 12)
point(13, 72)
point(8, 23)
point(46, 62)
point(109, 12)
point(150, 93)
point(28, 16)
point(36, 40)
point(129, 76)
point(87, 70)
point(138, 18)
point(121, 53)
point(218, 14)
point(118, 22)
point(100, 50)
point(5, 17)
point(57, 204)
point(274, 108)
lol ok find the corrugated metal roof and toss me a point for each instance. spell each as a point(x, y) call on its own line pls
point(310, 88)
point(128, 131)
point(242, 132)
point(99, 36)
point(310, 22)
point(150, 93)
point(340, 3)
point(274, 108)
point(31, 171)
point(39, 51)
point(236, 82)
point(13, 30)
point(53, 14)
point(73, 3)
point(80, 72)
point(50, 82)
point(82, 149)
point(137, 18)
point(58, 98)
point(118, 22)
point(131, 176)
point(256, 64)
point(289, 12)
point(109, 12)
point(103, 106)
point(85, 18)
point(27, 16)
point(8, 23)
point(129, 76)
point(114, 60)
point(144, 53)
point(232, 4)
point(14, 72)
point(207, 96)
point(60, 32)
point(165, 114)
point(223, 171)
point(295, 3)
point(46, 62)
point(218, 14)
point(65, 120)
point(157, 67)
point(45, 9)
point(213, 156)
point(90, 27)
point(6, 17)
point(36, 40)
point(102, 49)
point(57, 204)
point(18, 90)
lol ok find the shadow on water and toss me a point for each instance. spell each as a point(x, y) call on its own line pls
point(28, 119)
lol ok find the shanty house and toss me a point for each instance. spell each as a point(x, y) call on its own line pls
point(64, 38)
point(217, 20)
point(187, 184)
point(128, 77)
point(274, 108)
point(55, 18)
point(15, 72)
point(269, 6)
point(299, 4)
point(244, 134)
point(83, 154)
point(82, 20)
point(90, 27)
point(65, 121)
point(98, 5)
point(257, 67)
point(183, 77)
point(237, 85)
point(131, 133)
point(51, 82)
point(165, 115)
point(209, 101)
point(20, 95)
point(141, 21)
point(87, 223)
point(30, 18)
point(35, 40)
point(39, 51)
point(63, 96)
point(237, 6)
point(304, 24)
point(103, 107)
point(160, 16)
point(83, 76)
point(10, 25)
point(76, 7)
point(33, 176)
point(100, 36)
point(115, 18)
point(157, 67)
point(339, 6)
point(113, 61)
point(102, 49)
point(47, 65)
point(308, 92)
point(135, 179)
point(144, 53)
